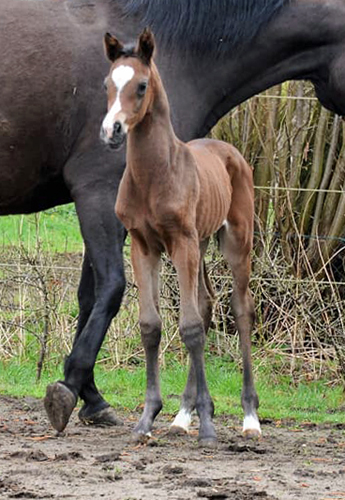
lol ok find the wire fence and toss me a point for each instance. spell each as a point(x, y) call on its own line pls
point(298, 154)
point(299, 323)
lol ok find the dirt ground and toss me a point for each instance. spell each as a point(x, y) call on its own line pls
point(289, 462)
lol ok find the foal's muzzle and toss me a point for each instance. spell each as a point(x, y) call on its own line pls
point(117, 137)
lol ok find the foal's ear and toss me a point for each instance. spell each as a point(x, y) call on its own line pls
point(113, 48)
point(146, 45)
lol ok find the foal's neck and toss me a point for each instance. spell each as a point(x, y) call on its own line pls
point(152, 143)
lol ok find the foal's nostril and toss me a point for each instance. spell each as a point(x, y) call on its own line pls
point(117, 128)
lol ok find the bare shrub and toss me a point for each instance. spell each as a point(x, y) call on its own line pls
point(297, 150)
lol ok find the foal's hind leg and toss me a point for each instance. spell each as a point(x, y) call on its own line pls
point(235, 244)
point(146, 271)
point(183, 419)
point(186, 257)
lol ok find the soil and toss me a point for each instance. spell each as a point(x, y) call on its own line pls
point(289, 462)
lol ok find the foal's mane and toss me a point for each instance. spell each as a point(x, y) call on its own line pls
point(203, 25)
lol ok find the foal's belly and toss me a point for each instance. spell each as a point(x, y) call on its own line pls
point(215, 193)
point(213, 209)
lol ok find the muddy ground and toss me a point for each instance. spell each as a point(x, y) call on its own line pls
point(289, 462)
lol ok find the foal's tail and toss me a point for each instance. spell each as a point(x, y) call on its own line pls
point(208, 282)
point(218, 237)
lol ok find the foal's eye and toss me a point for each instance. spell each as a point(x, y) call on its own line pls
point(141, 89)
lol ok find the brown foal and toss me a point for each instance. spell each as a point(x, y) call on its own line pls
point(173, 196)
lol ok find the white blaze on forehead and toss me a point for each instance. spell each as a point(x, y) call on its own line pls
point(120, 76)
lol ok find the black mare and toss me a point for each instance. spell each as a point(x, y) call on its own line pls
point(51, 70)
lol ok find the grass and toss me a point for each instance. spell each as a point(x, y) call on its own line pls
point(314, 402)
point(56, 229)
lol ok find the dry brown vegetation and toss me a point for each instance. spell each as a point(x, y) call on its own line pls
point(298, 152)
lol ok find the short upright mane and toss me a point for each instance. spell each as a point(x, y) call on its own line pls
point(207, 25)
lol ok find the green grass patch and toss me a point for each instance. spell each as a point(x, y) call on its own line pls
point(56, 230)
point(125, 388)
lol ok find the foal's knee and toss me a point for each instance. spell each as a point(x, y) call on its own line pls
point(242, 303)
point(193, 335)
point(151, 333)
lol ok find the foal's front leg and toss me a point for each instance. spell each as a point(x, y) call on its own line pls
point(146, 271)
point(186, 256)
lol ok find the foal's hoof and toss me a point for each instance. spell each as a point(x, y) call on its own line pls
point(251, 427)
point(181, 422)
point(103, 418)
point(252, 434)
point(210, 443)
point(140, 437)
point(177, 430)
point(59, 403)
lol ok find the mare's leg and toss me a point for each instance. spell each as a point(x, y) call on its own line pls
point(186, 259)
point(236, 245)
point(183, 419)
point(146, 271)
point(100, 294)
point(95, 409)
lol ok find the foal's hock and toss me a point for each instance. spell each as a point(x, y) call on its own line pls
point(173, 196)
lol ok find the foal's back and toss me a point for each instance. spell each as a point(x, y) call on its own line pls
point(224, 177)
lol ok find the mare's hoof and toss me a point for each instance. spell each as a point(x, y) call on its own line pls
point(177, 430)
point(103, 418)
point(252, 434)
point(59, 403)
point(210, 443)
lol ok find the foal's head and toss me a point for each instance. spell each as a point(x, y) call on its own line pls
point(128, 86)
